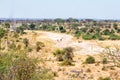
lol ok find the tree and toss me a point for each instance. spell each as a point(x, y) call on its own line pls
point(7, 25)
point(62, 29)
point(115, 26)
point(2, 33)
point(77, 34)
point(20, 29)
point(106, 32)
point(32, 26)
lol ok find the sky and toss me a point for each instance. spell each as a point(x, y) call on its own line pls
point(93, 9)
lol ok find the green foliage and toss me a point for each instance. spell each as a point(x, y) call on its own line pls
point(87, 36)
point(84, 30)
point(68, 53)
point(77, 34)
point(32, 26)
point(62, 29)
point(106, 32)
point(112, 31)
point(65, 55)
point(16, 35)
point(106, 78)
point(104, 61)
point(90, 60)
point(2, 33)
point(91, 30)
point(118, 30)
point(115, 26)
point(20, 29)
point(96, 36)
point(23, 69)
point(114, 37)
point(47, 28)
point(7, 25)
point(59, 54)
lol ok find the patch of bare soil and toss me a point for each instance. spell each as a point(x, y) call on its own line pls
point(82, 47)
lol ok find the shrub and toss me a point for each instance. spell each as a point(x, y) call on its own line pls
point(106, 78)
point(62, 29)
point(12, 46)
point(104, 61)
point(77, 34)
point(87, 36)
point(90, 60)
point(23, 69)
point(39, 46)
point(44, 74)
point(88, 70)
point(68, 53)
point(29, 49)
point(65, 55)
point(59, 54)
point(96, 36)
point(114, 37)
point(26, 42)
point(106, 32)
point(67, 62)
point(104, 68)
point(2, 33)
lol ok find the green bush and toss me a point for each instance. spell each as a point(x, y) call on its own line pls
point(106, 32)
point(65, 55)
point(90, 60)
point(62, 29)
point(23, 69)
point(77, 34)
point(87, 36)
point(114, 37)
point(96, 36)
point(2, 33)
point(106, 78)
point(59, 54)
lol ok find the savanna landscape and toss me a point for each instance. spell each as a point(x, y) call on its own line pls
point(60, 49)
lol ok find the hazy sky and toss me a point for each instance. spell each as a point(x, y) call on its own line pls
point(100, 9)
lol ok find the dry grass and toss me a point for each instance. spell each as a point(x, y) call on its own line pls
point(65, 72)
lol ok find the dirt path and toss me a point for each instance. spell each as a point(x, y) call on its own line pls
point(65, 40)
